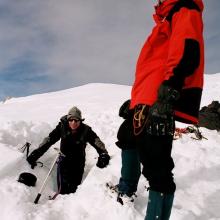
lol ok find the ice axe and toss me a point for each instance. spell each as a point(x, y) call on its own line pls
point(50, 171)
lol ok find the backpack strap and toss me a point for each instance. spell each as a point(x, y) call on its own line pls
point(190, 4)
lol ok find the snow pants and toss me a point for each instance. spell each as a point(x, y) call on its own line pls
point(69, 174)
point(155, 155)
point(130, 171)
point(159, 206)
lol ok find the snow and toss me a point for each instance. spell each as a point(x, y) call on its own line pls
point(197, 170)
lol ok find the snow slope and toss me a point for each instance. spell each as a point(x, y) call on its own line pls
point(31, 118)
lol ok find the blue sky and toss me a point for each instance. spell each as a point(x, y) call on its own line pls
point(49, 45)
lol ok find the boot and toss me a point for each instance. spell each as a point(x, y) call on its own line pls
point(159, 206)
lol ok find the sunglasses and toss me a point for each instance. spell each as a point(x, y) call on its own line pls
point(73, 119)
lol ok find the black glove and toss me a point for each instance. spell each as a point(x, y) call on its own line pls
point(103, 160)
point(161, 113)
point(32, 158)
point(124, 110)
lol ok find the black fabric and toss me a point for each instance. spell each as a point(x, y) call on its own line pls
point(77, 140)
point(190, 59)
point(103, 160)
point(209, 116)
point(167, 93)
point(124, 110)
point(72, 145)
point(125, 135)
point(160, 116)
point(158, 126)
point(190, 4)
point(33, 157)
point(187, 65)
point(155, 155)
point(69, 174)
point(28, 179)
point(184, 104)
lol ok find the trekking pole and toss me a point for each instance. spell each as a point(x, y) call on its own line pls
point(50, 171)
point(26, 146)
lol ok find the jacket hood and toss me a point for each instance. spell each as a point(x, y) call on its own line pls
point(163, 9)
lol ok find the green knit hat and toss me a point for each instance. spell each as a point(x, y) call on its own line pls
point(74, 112)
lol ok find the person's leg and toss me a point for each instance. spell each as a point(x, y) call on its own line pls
point(130, 172)
point(62, 178)
point(155, 155)
point(159, 205)
point(69, 176)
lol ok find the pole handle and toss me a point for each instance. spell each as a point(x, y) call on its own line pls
point(37, 198)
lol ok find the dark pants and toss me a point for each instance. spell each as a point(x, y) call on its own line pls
point(155, 155)
point(69, 174)
point(130, 172)
point(130, 169)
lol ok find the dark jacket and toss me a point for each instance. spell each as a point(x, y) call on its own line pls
point(72, 145)
point(126, 138)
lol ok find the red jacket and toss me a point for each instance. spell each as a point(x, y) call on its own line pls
point(173, 52)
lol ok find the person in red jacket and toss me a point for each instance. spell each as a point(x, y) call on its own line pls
point(167, 87)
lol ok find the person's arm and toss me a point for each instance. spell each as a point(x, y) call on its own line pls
point(184, 52)
point(96, 142)
point(52, 138)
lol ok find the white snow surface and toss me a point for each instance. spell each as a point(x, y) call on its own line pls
point(197, 163)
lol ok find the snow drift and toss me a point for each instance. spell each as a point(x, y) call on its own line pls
point(197, 171)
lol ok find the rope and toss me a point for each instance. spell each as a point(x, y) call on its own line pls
point(139, 120)
point(187, 130)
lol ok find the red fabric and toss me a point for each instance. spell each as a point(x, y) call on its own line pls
point(188, 118)
point(163, 50)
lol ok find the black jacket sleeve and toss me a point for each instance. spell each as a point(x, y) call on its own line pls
point(52, 138)
point(95, 141)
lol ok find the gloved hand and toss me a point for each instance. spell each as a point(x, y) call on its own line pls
point(161, 113)
point(103, 160)
point(32, 158)
point(124, 110)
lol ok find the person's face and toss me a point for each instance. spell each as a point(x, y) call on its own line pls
point(74, 123)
